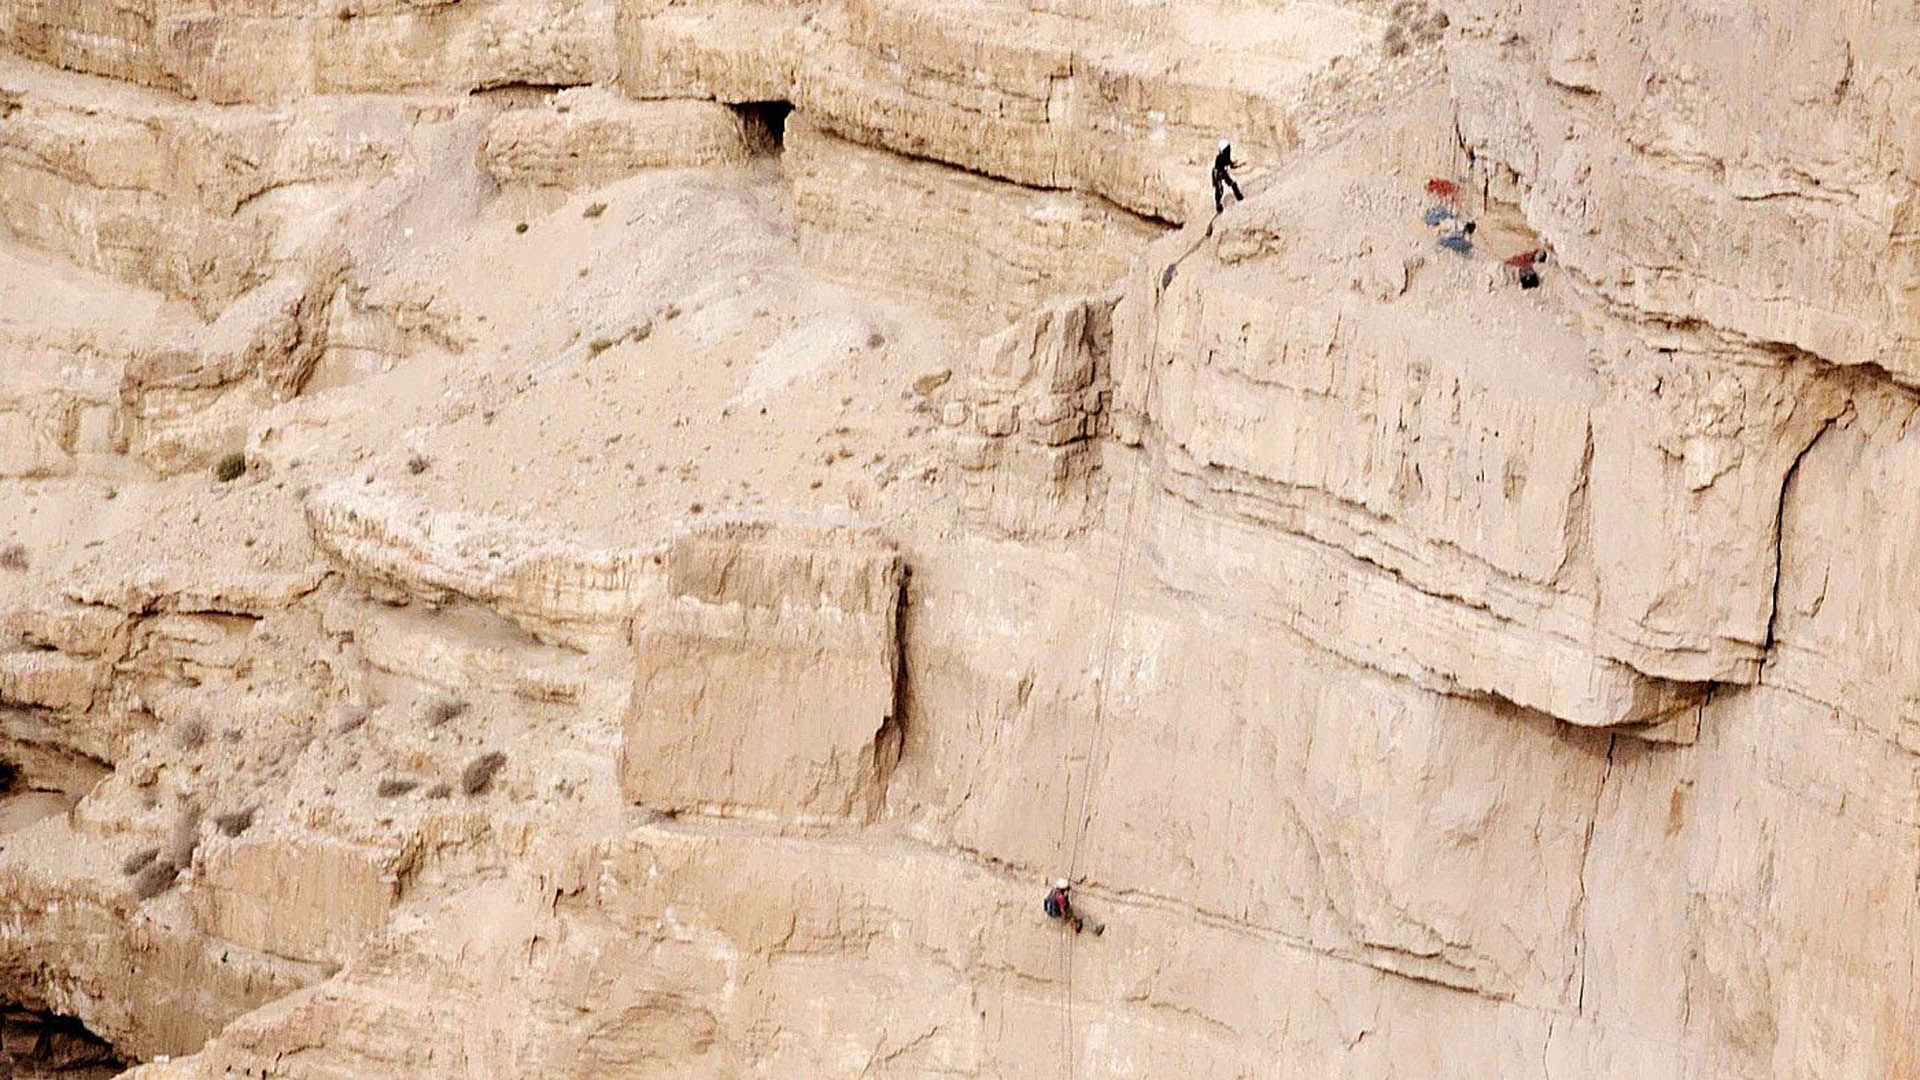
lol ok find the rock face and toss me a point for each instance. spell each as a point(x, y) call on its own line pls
point(1025, 432)
point(720, 501)
point(243, 52)
point(1644, 152)
point(988, 250)
point(589, 137)
point(766, 679)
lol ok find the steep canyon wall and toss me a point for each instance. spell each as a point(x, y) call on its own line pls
point(737, 494)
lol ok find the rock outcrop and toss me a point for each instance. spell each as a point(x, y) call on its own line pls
point(983, 251)
point(766, 680)
point(588, 137)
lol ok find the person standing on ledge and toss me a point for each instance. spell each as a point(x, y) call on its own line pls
point(1223, 161)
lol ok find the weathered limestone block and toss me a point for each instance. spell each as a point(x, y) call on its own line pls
point(419, 645)
point(190, 647)
point(552, 588)
point(1841, 632)
point(50, 680)
point(228, 53)
point(1689, 456)
point(133, 235)
point(1036, 401)
point(181, 405)
point(982, 251)
point(102, 37)
point(134, 185)
point(1767, 190)
point(1123, 104)
point(1426, 433)
point(585, 138)
point(196, 586)
point(77, 944)
point(55, 407)
point(74, 629)
point(304, 897)
point(727, 50)
point(1415, 502)
point(104, 134)
point(766, 677)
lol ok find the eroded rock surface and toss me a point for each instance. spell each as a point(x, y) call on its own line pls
point(588, 537)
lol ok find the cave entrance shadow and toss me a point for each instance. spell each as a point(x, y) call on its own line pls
point(765, 123)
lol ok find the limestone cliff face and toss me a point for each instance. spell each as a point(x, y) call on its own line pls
point(1754, 171)
point(680, 608)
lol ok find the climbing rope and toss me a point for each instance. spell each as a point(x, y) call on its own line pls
point(1115, 609)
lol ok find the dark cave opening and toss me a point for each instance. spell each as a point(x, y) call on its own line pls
point(35, 1044)
point(766, 124)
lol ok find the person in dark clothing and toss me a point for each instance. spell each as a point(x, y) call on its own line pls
point(1223, 161)
point(1523, 266)
point(1059, 905)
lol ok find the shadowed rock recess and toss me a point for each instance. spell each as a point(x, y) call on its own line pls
point(583, 538)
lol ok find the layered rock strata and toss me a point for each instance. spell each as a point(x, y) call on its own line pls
point(1415, 673)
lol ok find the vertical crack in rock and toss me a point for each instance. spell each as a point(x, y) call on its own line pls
point(1586, 856)
point(1546, 1050)
point(1578, 523)
point(889, 740)
point(1780, 529)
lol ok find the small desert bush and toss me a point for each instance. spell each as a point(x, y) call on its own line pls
point(230, 467)
point(418, 464)
point(234, 822)
point(480, 771)
point(1408, 23)
point(443, 708)
point(394, 786)
point(13, 557)
point(439, 791)
point(192, 735)
point(158, 876)
point(138, 860)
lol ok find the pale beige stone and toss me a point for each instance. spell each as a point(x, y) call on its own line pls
point(1417, 675)
point(983, 250)
point(765, 678)
point(598, 138)
point(555, 589)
